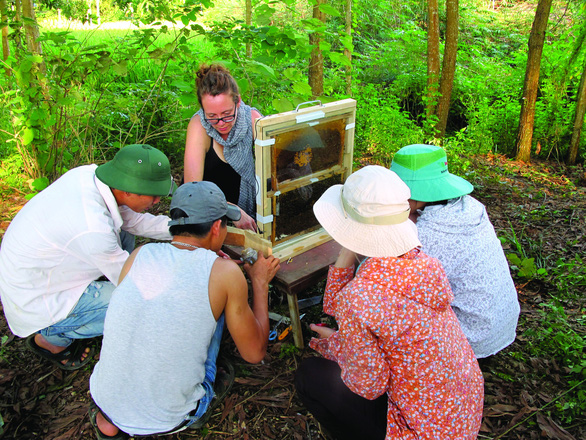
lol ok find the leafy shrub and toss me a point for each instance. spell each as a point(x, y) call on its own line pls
point(382, 127)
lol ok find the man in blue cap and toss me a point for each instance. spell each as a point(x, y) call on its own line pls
point(66, 238)
point(157, 369)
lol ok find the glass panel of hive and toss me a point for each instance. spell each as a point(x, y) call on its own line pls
point(294, 209)
point(307, 151)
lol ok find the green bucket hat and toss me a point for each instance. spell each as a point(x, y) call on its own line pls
point(424, 168)
point(138, 169)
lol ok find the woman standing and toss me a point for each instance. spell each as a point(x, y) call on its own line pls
point(220, 136)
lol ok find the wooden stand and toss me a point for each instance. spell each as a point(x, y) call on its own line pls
point(299, 273)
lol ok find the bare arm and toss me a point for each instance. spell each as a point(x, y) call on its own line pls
point(197, 144)
point(128, 264)
point(248, 326)
point(346, 258)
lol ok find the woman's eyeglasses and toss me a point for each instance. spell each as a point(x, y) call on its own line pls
point(215, 121)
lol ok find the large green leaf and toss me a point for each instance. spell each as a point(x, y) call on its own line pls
point(329, 9)
point(28, 135)
point(183, 85)
point(302, 87)
point(120, 68)
point(282, 105)
point(339, 58)
point(40, 184)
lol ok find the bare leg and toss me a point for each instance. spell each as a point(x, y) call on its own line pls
point(106, 427)
point(43, 343)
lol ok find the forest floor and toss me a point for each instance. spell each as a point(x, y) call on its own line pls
point(531, 391)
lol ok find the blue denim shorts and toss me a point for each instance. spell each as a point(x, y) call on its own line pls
point(86, 320)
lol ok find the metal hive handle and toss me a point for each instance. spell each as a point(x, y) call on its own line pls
point(307, 102)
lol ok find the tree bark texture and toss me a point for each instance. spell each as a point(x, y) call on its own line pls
point(346, 51)
point(31, 30)
point(531, 83)
point(316, 61)
point(578, 119)
point(448, 66)
point(5, 46)
point(248, 23)
point(17, 19)
point(433, 63)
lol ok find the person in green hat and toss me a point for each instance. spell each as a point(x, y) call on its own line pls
point(67, 238)
point(455, 228)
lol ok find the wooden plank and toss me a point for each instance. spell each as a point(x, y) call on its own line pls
point(300, 244)
point(293, 184)
point(244, 239)
point(306, 269)
point(302, 271)
point(295, 321)
point(291, 116)
point(290, 125)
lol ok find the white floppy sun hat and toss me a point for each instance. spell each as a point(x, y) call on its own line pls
point(369, 214)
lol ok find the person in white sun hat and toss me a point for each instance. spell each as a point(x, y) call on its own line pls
point(454, 228)
point(399, 365)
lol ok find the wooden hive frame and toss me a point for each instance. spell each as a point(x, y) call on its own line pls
point(267, 133)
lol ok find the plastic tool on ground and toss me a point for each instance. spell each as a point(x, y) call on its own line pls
point(273, 333)
point(285, 332)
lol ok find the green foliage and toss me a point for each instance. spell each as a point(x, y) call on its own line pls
point(525, 267)
point(83, 99)
point(382, 127)
point(97, 94)
point(524, 261)
point(570, 276)
point(288, 350)
point(557, 340)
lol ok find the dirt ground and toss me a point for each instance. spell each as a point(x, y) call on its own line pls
point(40, 401)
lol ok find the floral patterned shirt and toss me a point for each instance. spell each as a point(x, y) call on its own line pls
point(398, 334)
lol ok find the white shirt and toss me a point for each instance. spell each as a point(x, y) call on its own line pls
point(462, 237)
point(64, 238)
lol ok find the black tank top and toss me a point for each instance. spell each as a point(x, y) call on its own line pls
point(222, 174)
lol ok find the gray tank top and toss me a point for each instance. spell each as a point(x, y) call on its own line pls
point(156, 336)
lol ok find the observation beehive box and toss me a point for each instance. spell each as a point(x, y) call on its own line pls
point(299, 154)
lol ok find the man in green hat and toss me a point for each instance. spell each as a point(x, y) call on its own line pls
point(454, 228)
point(64, 240)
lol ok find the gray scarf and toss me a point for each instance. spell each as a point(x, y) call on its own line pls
point(238, 154)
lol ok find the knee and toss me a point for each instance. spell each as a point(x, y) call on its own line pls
point(304, 375)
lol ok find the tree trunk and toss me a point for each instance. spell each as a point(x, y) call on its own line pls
point(433, 64)
point(316, 61)
point(248, 23)
point(98, 12)
point(530, 85)
point(448, 66)
point(5, 46)
point(31, 29)
point(17, 19)
point(578, 119)
point(346, 51)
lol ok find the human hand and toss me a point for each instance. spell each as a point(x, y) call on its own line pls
point(323, 332)
point(246, 222)
point(264, 269)
point(224, 255)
